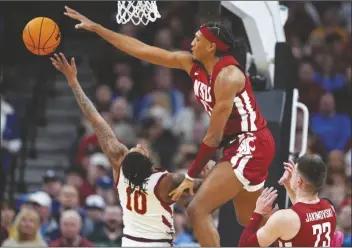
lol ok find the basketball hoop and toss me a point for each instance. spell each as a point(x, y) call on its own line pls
point(137, 12)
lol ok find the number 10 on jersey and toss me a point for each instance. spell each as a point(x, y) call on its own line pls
point(136, 201)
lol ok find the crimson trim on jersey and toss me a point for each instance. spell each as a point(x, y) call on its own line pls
point(117, 179)
point(148, 240)
point(220, 45)
point(166, 222)
point(164, 204)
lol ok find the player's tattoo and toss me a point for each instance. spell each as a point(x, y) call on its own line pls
point(107, 139)
point(86, 105)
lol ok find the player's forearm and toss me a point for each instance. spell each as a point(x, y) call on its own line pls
point(85, 104)
point(106, 137)
point(125, 43)
point(249, 235)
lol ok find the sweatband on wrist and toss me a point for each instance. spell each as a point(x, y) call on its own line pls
point(249, 235)
point(205, 153)
point(189, 178)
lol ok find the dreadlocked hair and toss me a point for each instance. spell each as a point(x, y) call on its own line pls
point(225, 35)
point(137, 168)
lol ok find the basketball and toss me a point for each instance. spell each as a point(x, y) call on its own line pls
point(41, 36)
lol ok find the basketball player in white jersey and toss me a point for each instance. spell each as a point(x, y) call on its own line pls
point(143, 190)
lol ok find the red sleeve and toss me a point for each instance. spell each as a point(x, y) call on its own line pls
point(205, 153)
point(249, 235)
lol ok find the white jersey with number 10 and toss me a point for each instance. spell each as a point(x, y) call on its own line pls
point(145, 216)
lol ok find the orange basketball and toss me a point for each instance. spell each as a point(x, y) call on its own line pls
point(41, 36)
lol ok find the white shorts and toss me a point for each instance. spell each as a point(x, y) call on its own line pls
point(129, 243)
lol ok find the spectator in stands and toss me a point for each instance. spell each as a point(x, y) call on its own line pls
point(123, 126)
point(309, 92)
point(75, 176)
point(123, 87)
point(122, 69)
point(7, 216)
point(329, 80)
point(164, 39)
point(335, 188)
point(10, 133)
point(25, 231)
point(348, 163)
point(344, 221)
point(103, 97)
point(333, 129)
point(52, 185)
point(105, 188)
point(42, 203)
point(95, 206)
point(185, 155)
point(111, 234)
point(69, 200)
point(163, 80)
point(162, 141)
point(330, 24)
point(336, 160)
point(191, 122)
point(4, 234)
point(70, 226)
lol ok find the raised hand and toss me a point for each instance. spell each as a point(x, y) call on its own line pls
point(61, 64)
point(286, 177)
point(264, 205)
point(85, 22)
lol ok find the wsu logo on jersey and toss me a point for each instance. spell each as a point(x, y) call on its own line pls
point(245, 147)
point(202, 90)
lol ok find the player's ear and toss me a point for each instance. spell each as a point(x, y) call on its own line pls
point(212, 47)
point(299, 181)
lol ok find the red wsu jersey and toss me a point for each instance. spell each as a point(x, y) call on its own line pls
point(318, 224)
point(245, 115)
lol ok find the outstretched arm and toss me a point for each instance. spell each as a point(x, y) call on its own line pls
point(113, 149)
point(134, 47)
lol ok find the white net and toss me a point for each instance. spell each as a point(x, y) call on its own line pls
point(137, 12)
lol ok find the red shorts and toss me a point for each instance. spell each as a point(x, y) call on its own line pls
point(251, 155)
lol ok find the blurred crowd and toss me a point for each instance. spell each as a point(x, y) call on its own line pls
point(155, 107)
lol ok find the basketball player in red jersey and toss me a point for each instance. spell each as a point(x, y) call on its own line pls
point(310, 222)
point(236, 124)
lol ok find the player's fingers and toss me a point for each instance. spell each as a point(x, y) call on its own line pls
point(271, 199)
point(57, 58)
point(56, 66)
point(73, 63)
point(64, 60)
point(269, 191)
point(68, 9)
point(269, 195)
point(191, 190)
point(288, 169)
point(172, 192)
point(53, 60)
point(73, 16)
point(264, 191)
point(176, 196)
point(276, 207)
point(78, 26)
